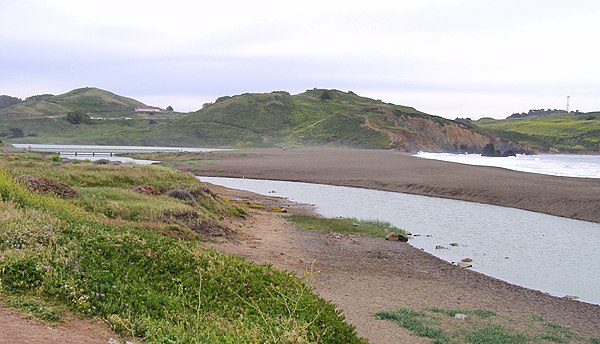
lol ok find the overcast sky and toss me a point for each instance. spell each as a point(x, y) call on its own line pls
point(452, 58)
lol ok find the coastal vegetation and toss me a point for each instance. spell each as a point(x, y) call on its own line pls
point(126, 243)
point(553, 131)
point(378, 229)
point(478, 326)
point(88, 100)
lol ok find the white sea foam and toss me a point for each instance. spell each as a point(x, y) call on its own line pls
point(582, 166)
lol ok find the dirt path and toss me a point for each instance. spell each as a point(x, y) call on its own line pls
point(364, 276)
point(389, 170)
point(15, 328)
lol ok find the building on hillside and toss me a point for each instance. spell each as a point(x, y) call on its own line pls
point(144, 108)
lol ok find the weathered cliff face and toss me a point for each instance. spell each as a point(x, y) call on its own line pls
point(414, 133)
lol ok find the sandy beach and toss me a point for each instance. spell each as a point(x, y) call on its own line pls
point(577, 198)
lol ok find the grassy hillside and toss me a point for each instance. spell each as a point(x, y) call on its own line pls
point(125, 243)
point(314, 118)
point(89, 100)
point(319, 117)
point(562, 132)
point(60, 131)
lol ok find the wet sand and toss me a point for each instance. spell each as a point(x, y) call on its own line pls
point(577, 198)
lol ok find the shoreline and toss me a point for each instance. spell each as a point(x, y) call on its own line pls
point(570, 197)
point(363, 275)
point(310, 209)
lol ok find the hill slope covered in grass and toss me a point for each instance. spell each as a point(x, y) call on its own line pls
point(321, 118)
point(558, 132)
point(88, 100)
point(125, 243)
point(316, 117)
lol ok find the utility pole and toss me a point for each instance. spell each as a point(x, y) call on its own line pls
point(568, 97)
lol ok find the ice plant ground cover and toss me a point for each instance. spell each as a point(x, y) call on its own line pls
point(134, 260)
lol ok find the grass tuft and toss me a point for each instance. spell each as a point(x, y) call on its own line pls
point(37, 309)
point(415, 322)
point(346, 225)
point(482, 313)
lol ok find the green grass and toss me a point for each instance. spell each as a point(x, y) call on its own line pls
point(143, 281)
point(128, 204)
point(482, 313)
point(563, 131)
point(416, 322)
point(492, 333)
point(345, 225)
point(481, 326)
point(35, 308)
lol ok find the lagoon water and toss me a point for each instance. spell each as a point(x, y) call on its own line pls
point(548, 253)
point(101, 152)
point(582, 166)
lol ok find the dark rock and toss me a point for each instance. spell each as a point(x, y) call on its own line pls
point(490, 150)
point(102, 162)
point(396, 237)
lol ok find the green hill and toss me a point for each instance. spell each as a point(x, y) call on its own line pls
point(316, 117)
point(88, 100)
point(111, 119)
point(574, 132)
point(319, 117)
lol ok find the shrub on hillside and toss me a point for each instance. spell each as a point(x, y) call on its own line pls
point(325, 95)
point(78, 118)
point(183, 195)
point(15, 133)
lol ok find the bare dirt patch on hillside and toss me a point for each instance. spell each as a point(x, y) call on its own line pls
point(16, 328)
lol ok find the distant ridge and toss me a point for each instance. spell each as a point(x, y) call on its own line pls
point(316, 117)
point(88, 100)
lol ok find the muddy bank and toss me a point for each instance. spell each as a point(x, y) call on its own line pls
point(577, 198)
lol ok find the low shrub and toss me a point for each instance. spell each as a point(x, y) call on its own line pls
point(181, 194)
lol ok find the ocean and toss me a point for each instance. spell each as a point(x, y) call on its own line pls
point(581, 166)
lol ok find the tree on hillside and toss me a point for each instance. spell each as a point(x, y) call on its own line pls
point(6, 101)
point(169, 108)
point(78, 118)
point(325, 95)
point(15, 133)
